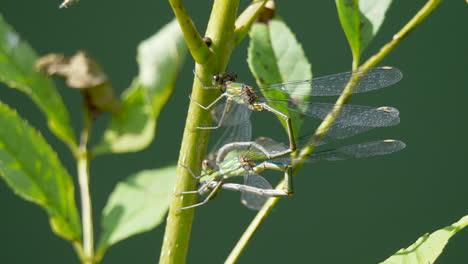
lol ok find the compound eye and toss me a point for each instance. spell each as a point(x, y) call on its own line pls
point(216, 78)
point(233, 76)
point(206, 164)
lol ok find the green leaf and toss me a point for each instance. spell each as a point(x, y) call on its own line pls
point(133, 128)
point(428, 247)
point(372, 15)
point(17, 61)
point(348, 12)
point(160, 58)
point(137, 205)
point(361, 20)
point(32, 169)
point(275, 56)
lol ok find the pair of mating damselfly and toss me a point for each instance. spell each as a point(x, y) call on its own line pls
point(236, 155)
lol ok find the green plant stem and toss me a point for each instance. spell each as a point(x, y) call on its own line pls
point(245, 20)
point(327, 122)
point(83, 180)
point(179, 222)
point(197, 47)
point(248, 233)
point(416, 20)
point(79, 250)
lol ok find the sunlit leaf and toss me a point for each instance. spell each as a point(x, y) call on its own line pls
point(372, 15)
point(361, 20)
point(17, 61)
point(160, 58)
point(34, 172)
point(275, 56)
point(428, 247)
point(348, 11)
point(137, 205)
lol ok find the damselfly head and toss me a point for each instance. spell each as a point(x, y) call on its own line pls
point(209, 165)
point(223, 78)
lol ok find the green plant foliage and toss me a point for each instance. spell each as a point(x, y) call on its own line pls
point(34, 172)
point(361, 21)
point(348, 11)
point(160, 58)
point(372, 15)
point(17, 61)
point(428, 247)
point(137, 205)
point(275, 56)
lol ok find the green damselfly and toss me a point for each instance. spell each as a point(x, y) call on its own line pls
point(235, 155)
point(331, 85)
point(248, 159)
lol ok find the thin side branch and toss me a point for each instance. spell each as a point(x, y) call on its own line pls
point(246, 19)
point(197, 47)
point(85, 194)
point(416, 20)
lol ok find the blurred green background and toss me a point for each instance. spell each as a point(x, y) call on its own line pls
point(358, 211)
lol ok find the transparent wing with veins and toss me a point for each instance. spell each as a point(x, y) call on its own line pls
point(256, 189)
point(252, 200)
point(355, 151)
point(240, 131)
point(285, 95)
point(332, 85)
point(365, 121)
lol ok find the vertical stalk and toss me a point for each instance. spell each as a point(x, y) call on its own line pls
point(221, 30)
point(83, 180)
